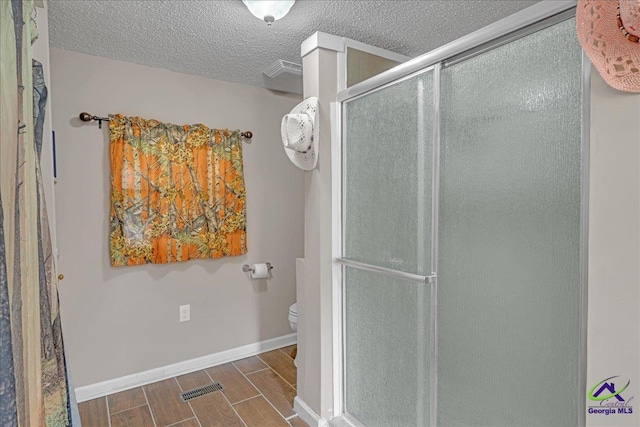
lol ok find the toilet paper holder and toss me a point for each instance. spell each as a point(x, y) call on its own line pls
point(247, 268)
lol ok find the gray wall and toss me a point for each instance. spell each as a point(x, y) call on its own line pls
point(120, 321)
point(614, 245)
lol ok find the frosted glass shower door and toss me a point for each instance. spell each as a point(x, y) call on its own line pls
point(387, 223)
point(509, 234)
point(505, 313)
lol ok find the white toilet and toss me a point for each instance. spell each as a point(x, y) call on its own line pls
point(293, 321)
point(293, 310)
point(293, 317)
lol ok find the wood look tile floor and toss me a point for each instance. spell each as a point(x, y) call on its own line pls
point(257, 392)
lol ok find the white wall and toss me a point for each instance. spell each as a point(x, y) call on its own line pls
point(315, 380)
point(614, 247)
point(119, 321)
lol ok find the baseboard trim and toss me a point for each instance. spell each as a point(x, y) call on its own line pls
point(127, 382)
point(307, 414)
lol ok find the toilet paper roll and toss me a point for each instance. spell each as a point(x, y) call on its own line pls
point(259, 271)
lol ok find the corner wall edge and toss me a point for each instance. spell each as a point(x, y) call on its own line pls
point(307, 414)
point(320, 40)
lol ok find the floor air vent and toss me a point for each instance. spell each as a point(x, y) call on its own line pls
point(200, 391)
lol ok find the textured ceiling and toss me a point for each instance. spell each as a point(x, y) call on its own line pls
point(222, 40)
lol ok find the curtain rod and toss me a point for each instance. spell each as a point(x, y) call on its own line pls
point(86, 117)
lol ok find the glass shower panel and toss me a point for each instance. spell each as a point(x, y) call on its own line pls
point(388, 149)
point(386, 349)
point(509, 254)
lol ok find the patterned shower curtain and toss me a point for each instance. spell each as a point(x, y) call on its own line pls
point(33, 382)
point(177, 192)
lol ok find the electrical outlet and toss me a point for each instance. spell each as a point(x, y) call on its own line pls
point(185, 313)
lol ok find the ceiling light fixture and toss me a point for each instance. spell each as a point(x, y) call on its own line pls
point(269, 11)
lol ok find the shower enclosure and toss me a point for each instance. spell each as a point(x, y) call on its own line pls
point(462, 215)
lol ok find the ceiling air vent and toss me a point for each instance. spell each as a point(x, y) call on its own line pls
point(283, 67)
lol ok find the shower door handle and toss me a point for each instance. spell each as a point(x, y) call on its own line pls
point(386, 271)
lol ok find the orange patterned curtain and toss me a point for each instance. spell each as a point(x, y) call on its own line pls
point(177, 192)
